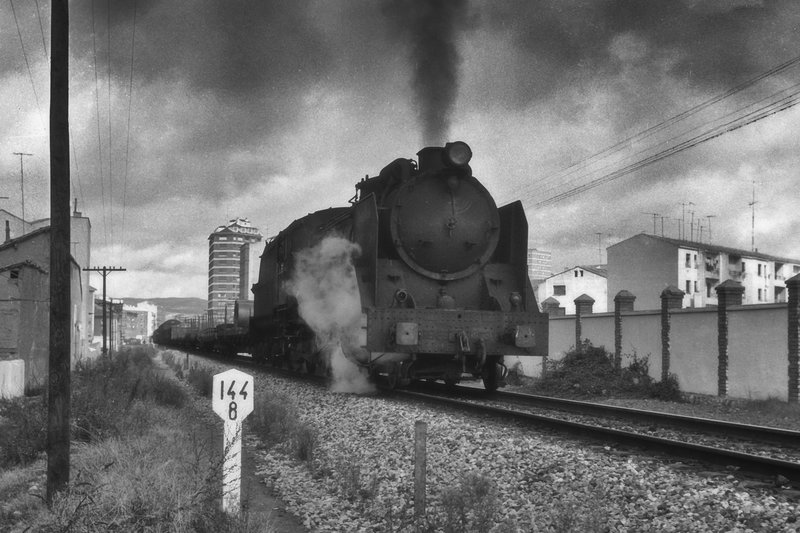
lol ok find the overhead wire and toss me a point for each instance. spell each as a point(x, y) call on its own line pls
point(76, 191)
point(754, 116)
point(585, 173)
point(99, 140)
point(677, 118)
point(25, 56)
point(41, 28)
point(638, 153)
point(110, 147)
point(128, 126)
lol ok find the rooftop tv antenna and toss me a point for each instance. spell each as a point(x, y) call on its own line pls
point(682, 230)
point(22, 186)
point(753, 220)
point(599, 249)
point(654, 215)
point(709, 217)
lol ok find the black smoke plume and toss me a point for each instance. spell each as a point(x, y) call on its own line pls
point(430, 29)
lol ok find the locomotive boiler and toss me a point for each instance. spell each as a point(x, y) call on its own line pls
point(441, 277)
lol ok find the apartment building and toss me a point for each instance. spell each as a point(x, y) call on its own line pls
point(230, 256)
point(540, 265)
point(646, 264)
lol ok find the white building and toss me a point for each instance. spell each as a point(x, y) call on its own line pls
point(540, 265)
point(569, 284)
point(646, 264)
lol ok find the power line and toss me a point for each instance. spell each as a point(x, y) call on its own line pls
point(110, 138)
point(681, 116)
point(749, 118)
point(128, 127)
point(41, 28)
point(24, 55)
point(99, 141)
point(583, 169)
point(695, 128)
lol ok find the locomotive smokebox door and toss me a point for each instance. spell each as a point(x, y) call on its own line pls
point(407, 334)
point(444, 223)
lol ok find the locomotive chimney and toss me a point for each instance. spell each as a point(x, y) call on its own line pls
point(430, 159)
point(454, 155)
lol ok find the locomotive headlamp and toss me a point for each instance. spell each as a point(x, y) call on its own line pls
point(457, 154)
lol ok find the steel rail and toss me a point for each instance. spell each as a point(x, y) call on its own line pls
point(756, 464)
point(751, 432)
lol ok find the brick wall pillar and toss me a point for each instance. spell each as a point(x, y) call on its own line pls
point(583, 306)
point(623, 303)
point(729, 293)
point(671, 298)
point(793, 285)
point(552, 307)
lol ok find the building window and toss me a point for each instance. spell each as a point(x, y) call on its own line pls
point(688, 286)
point(695, 286)
point(695, 260)
point(14, 274)
point(760, 291)
point(559, 290)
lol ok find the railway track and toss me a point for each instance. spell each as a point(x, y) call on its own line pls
point(759, 450)
point(763, 451)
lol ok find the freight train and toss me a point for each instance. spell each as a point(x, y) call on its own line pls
point(438, 270)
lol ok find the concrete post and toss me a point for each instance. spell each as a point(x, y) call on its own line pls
point(583, 306)
point(623, 303)
point(729, 293)
point(793, 285)
point(671, 298)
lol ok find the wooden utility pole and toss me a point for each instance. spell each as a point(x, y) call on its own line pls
point(105, 271)
point(58, 398)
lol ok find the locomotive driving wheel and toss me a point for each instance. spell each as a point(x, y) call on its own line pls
point(493, 374)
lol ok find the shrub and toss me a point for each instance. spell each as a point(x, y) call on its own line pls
point(667, 390)
point(201, 378)
point(164, 390)
point(23, 430)
point(470, 505)
point(589, 371)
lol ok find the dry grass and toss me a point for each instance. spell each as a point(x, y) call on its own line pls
point(155, 472)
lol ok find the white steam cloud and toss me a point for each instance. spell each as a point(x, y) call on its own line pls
point(325, 285)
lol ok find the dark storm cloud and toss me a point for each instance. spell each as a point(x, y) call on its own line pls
point(711, 44)
point(235, 48)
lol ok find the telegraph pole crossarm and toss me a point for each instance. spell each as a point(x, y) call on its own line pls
point(104, 271)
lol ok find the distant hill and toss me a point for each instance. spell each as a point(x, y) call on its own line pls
point(168, 307)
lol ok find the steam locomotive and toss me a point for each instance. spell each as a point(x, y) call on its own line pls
point(441, 278)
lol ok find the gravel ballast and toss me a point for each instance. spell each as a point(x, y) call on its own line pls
point(487, 475)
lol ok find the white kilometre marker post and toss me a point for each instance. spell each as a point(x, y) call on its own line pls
point(232, 401)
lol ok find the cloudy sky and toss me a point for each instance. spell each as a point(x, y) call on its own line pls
point(596, 114)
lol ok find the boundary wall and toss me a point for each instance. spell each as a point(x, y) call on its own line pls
point(741, 351)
